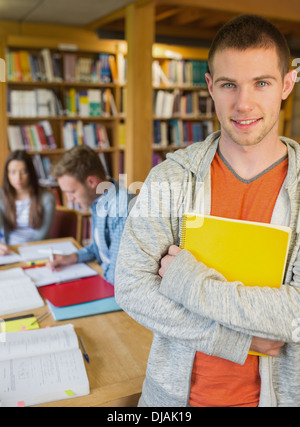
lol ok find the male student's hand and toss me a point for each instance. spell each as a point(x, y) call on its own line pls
point(167, 259)
point(4, 249)
point(265, 346)
point(62, 261)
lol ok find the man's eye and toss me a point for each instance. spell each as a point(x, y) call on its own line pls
point(228, 85)
point(262, 84)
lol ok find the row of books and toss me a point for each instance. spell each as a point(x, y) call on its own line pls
point(24, 66)
point(175, 72)
point(37, 137)
point(33, 103)
point(180, 133)
point(90, 103)
point(46, 103)
point(92, 134)
point(42, 165)
point(176, 103)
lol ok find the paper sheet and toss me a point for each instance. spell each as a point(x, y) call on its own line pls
point(43, 378)
point(17, 292)
point(32, 252)
point(10, 259)
point(43, 276)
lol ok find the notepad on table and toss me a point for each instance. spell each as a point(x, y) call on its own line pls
point(43, 276)
point(18, 292)
point(41, 366)
point(12, 258)
point(37, 252)
point(20, 323)
point(249, 252)
point(77, 291)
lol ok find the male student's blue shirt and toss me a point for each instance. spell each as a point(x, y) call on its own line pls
point(109, 214)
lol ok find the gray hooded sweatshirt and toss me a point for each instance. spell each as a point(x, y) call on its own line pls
point(193, 308)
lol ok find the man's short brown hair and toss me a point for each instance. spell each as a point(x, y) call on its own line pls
point(251, 31)
point(79, 162)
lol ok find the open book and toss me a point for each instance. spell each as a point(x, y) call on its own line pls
point(41, 366)
point(44, 276)
point(18, 292)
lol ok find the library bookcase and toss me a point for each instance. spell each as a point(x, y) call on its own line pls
point(127, 149)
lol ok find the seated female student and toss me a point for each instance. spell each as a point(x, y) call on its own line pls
point(26, 210)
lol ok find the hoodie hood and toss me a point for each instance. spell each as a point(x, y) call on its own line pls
point(193, 158)
point(196, 161)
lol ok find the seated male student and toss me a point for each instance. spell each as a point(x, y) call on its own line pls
point(81, 176)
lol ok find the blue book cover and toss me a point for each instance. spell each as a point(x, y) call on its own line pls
point(105, 305)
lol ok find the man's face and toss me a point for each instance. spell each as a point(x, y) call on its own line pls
point(82, 194)
point(248, 88)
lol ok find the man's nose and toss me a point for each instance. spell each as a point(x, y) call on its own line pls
point(245, 100)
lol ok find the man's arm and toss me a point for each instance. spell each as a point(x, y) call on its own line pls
point(258, 345)
point(137, 282)
point(258, 311)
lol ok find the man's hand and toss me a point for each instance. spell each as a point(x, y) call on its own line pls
point(167, 259)
point(62, 261)
point(4, 249)
point(265, 346)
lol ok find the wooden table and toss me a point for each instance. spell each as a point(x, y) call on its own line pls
point(118, 349)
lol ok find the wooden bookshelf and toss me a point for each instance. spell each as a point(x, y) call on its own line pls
point(183, 109)
point(134, 121)
point(61, 42)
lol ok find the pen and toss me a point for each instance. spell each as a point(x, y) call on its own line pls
point(10, 319)
point(84, 351)
point(40, 318)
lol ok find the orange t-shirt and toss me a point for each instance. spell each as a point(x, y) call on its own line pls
point(217, 382)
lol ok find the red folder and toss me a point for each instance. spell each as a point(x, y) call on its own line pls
point(77, 291)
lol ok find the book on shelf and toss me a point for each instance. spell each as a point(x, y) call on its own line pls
point(56, 66)
point(42, 165)
point(181, 103)
point(180, 132)
point(178, 72)
point(90, 103)
point(40, 366)
point(122, 68)
point(37, 137)
point(33, 103)
point(92, 134)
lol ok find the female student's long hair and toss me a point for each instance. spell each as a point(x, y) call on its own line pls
point(9, 193)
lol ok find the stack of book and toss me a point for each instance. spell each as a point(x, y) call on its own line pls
point(37, 137)
point(44, 65)
point(92, 134)
point(90, 103)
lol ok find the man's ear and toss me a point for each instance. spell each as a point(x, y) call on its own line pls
point(289, 83)
point(92, 181)
point(209, 81)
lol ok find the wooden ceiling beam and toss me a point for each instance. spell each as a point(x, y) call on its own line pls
point(160, 16)
point(185, 32)
point(188, 15)
point(267, 8)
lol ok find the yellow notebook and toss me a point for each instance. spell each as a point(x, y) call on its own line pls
point(250, 252)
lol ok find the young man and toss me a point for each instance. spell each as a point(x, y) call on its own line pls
point(81, 176)
point(204, 326)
